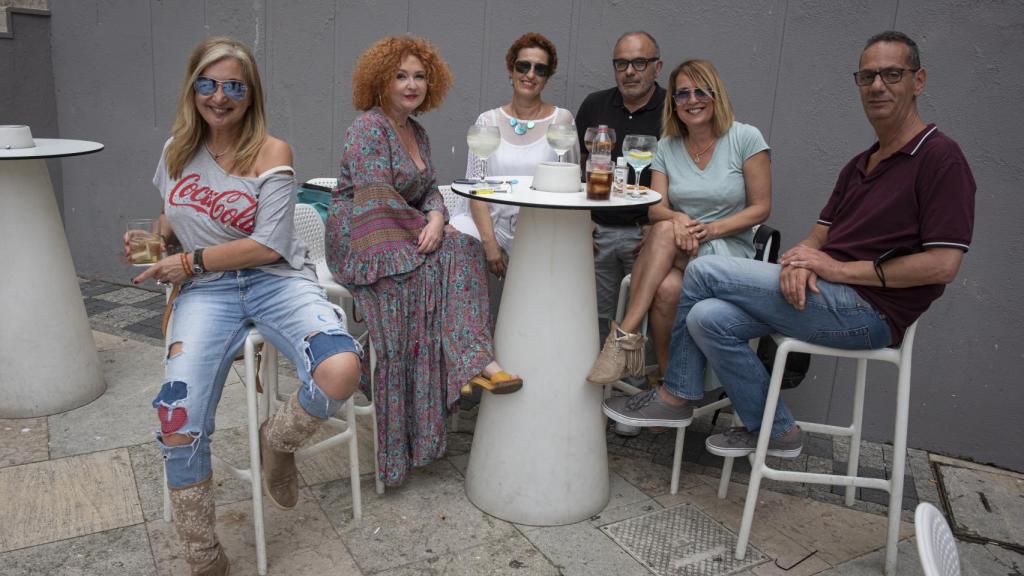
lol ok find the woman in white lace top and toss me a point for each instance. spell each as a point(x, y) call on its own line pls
point(523, 123)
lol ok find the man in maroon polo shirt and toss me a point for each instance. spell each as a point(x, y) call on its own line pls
point(889, 239)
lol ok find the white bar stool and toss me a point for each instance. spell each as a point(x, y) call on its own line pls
point(901, 357)
point(345, 427)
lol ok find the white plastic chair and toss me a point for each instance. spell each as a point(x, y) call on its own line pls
point(310, 227)
point(901, 357)
point(935, 542)
point(451, 199)
point(766, 249)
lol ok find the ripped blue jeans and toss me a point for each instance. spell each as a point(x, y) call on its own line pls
point(211, 320)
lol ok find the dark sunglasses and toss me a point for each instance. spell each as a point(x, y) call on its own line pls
point(683, 96)
point(889, 75)
point(523, 67)
point(639, 64)
point(234, 89)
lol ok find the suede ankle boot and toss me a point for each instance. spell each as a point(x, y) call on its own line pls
point(280, 436)
point(194, 519)
point(622, 354)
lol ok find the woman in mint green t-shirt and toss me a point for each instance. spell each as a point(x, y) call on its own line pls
point(714, 175)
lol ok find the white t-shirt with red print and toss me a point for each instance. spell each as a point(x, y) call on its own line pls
point(206, 206)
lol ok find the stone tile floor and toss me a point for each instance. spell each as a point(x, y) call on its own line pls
point(80, 494)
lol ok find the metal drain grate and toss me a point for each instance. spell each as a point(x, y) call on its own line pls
point(681, 541)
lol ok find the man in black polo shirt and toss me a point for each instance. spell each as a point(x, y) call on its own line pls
point(633, 106)
point(888, 240)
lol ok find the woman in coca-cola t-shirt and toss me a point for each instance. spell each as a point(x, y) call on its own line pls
point(229, 195)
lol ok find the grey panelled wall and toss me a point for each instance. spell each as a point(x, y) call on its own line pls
point(118, 65)
point(26, 80)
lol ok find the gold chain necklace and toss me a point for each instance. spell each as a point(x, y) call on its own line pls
point(217, 157)
point(698, 155)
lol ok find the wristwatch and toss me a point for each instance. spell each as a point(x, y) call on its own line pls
point(197, 262)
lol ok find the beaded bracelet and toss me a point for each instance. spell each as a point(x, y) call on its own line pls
point(184, 265)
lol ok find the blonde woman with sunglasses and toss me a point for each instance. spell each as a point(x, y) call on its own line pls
point(714, 177)
point(531, 61)
point(228, 192)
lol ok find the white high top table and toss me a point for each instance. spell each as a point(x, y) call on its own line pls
point(539, 455)
point(48, 361)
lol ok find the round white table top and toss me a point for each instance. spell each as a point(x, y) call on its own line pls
point(51, 148)
point(522, 194)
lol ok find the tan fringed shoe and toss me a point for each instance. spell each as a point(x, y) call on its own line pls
point(622, 354)
point(500, 382)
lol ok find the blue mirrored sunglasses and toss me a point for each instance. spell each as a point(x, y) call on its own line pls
point(234, 89)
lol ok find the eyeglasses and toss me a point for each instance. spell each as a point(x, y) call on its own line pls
point(234, 89)
point(889, 75)
point(639, 64)
point(683, 96)
point(524, 66)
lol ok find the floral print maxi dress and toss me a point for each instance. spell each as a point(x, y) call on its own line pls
point(427, 314)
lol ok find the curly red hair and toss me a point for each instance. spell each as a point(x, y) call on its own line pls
point(377, 65)
point(532, 40)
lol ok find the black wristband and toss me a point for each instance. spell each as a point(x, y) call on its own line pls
point(197, 260)
point(878, 271)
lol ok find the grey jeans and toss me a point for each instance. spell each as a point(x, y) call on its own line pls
point(613, 259)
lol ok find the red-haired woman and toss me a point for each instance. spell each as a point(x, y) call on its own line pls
point(420, 283)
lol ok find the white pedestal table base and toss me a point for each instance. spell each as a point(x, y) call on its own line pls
point(539, 455)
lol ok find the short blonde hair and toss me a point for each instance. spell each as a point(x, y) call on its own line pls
point(376, 66)
point(704, 75)
point(189, 129)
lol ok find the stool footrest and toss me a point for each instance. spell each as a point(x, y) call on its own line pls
point(833, 479)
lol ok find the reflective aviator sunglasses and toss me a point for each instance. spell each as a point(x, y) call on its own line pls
point(683, 96)
point(234, 89)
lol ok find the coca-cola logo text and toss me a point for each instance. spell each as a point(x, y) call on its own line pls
point(231, 208)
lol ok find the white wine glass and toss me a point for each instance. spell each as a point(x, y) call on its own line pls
point(639, 152)
point(588, 137)
point(483, 141)
point(561, 137)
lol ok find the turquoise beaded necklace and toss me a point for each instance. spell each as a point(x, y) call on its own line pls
point(521, 126)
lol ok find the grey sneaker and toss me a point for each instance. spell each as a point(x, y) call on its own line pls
point(738, 442)
point(647, 409)
point(626, 430)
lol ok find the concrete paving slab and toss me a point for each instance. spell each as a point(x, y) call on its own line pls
point(679, 541)
point(23, 440)
point(427, 517)
point(123, 415)
point(511, 556)
point(975, 560)
point(650, 478)
point(333, 463)
point(788, 528)
point(580, 549)
point(617, 514)
point(978, 559)
point(925, 483)
point(117, 552)
point(985, 505)
point(871, 564)
point(300, 542)
point(126, 296)
point(68, 497)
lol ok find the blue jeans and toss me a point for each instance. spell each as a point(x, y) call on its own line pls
point(727, 301)
point(212, 317)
